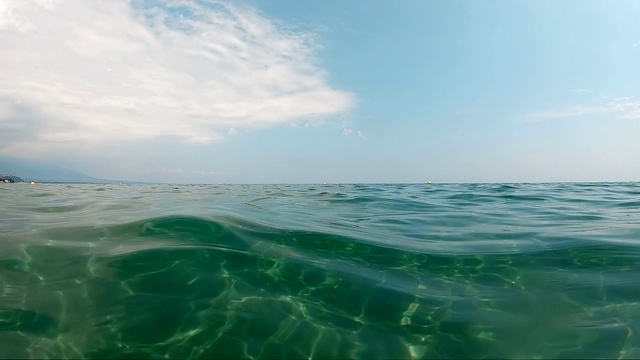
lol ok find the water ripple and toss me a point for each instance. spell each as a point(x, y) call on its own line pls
point(338, 271)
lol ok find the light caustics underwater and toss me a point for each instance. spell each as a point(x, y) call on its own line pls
point(327, 272)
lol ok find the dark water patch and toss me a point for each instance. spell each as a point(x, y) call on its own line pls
point(44, 194)
point(57, 208)
point(630, 204)
point(473, 198)
point(524, 198)
point(499, 188)
point(344, 199)
point(27, 321)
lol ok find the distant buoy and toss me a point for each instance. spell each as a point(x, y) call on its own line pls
point(428, 182)
point(32, 183)
point(324, 183)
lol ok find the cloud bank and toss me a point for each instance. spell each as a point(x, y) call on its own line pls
point(77, 73)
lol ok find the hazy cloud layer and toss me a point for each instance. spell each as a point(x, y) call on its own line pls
point(96, 72)
point(625, 108)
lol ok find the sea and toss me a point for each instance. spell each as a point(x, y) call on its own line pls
point(337, 271)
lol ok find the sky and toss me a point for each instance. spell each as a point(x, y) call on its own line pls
point(349, 91)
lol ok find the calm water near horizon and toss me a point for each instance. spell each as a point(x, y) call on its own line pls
point(312, 271)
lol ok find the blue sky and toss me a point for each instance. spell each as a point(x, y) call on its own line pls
point(337, 91)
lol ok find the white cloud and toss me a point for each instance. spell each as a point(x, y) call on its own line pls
point(103, 71)
point(625, 108)
point(349, 132)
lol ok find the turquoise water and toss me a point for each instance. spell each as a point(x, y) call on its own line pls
point(306, 271)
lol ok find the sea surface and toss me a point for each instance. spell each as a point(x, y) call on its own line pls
point(329, 272)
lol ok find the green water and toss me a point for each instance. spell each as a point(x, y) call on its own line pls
point(302, 271)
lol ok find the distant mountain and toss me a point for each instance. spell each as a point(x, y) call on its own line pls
point(45, 172)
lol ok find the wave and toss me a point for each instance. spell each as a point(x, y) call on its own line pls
point(328, 272)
